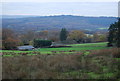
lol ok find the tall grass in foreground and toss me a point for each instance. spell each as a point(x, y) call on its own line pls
point(98, 64)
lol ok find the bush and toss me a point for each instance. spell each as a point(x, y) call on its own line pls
point(42, 43)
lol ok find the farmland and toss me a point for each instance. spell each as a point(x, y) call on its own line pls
point(60, 40)
point(81, 61)
point(74, 49)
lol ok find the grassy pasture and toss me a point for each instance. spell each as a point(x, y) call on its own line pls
point(67, 50)
point(81, 61)
point(103, 44)
point(64, 66)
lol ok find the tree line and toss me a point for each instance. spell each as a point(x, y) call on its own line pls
point(12, 39)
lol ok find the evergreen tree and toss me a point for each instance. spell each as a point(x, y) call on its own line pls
point(114, 34)
point(111, 36)
point(63, 34)
point(118, 33)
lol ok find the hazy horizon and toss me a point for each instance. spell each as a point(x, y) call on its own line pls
point(96, 9)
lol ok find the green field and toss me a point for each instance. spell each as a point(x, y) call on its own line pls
point(76, 47)
point(67, 50)
point(102, 28)
point(90, 44)
point(81, 61)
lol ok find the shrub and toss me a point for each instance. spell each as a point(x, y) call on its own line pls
point(113, 52)
point(42, 43)
point(99, 64)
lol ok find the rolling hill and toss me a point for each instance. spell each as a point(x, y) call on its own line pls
point(37, 23)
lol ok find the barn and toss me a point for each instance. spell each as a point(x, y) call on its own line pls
point(25, 48)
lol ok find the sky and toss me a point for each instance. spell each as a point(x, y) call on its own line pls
point(60, 7)
point(59, 0)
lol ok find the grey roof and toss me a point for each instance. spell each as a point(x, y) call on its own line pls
point(25, 47)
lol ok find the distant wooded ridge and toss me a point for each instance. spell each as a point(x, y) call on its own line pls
point(38, 23)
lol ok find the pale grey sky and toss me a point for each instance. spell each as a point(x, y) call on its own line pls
point(60, 8)
point(59, 0)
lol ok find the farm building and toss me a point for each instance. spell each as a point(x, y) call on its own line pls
point(25, 48)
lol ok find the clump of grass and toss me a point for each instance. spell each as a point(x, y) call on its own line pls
point(113, 52)
point(63, 66)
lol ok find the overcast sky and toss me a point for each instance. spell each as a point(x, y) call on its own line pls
point(60, 7)
point(59, 0)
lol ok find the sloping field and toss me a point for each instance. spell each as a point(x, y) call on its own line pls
point(67, 50)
